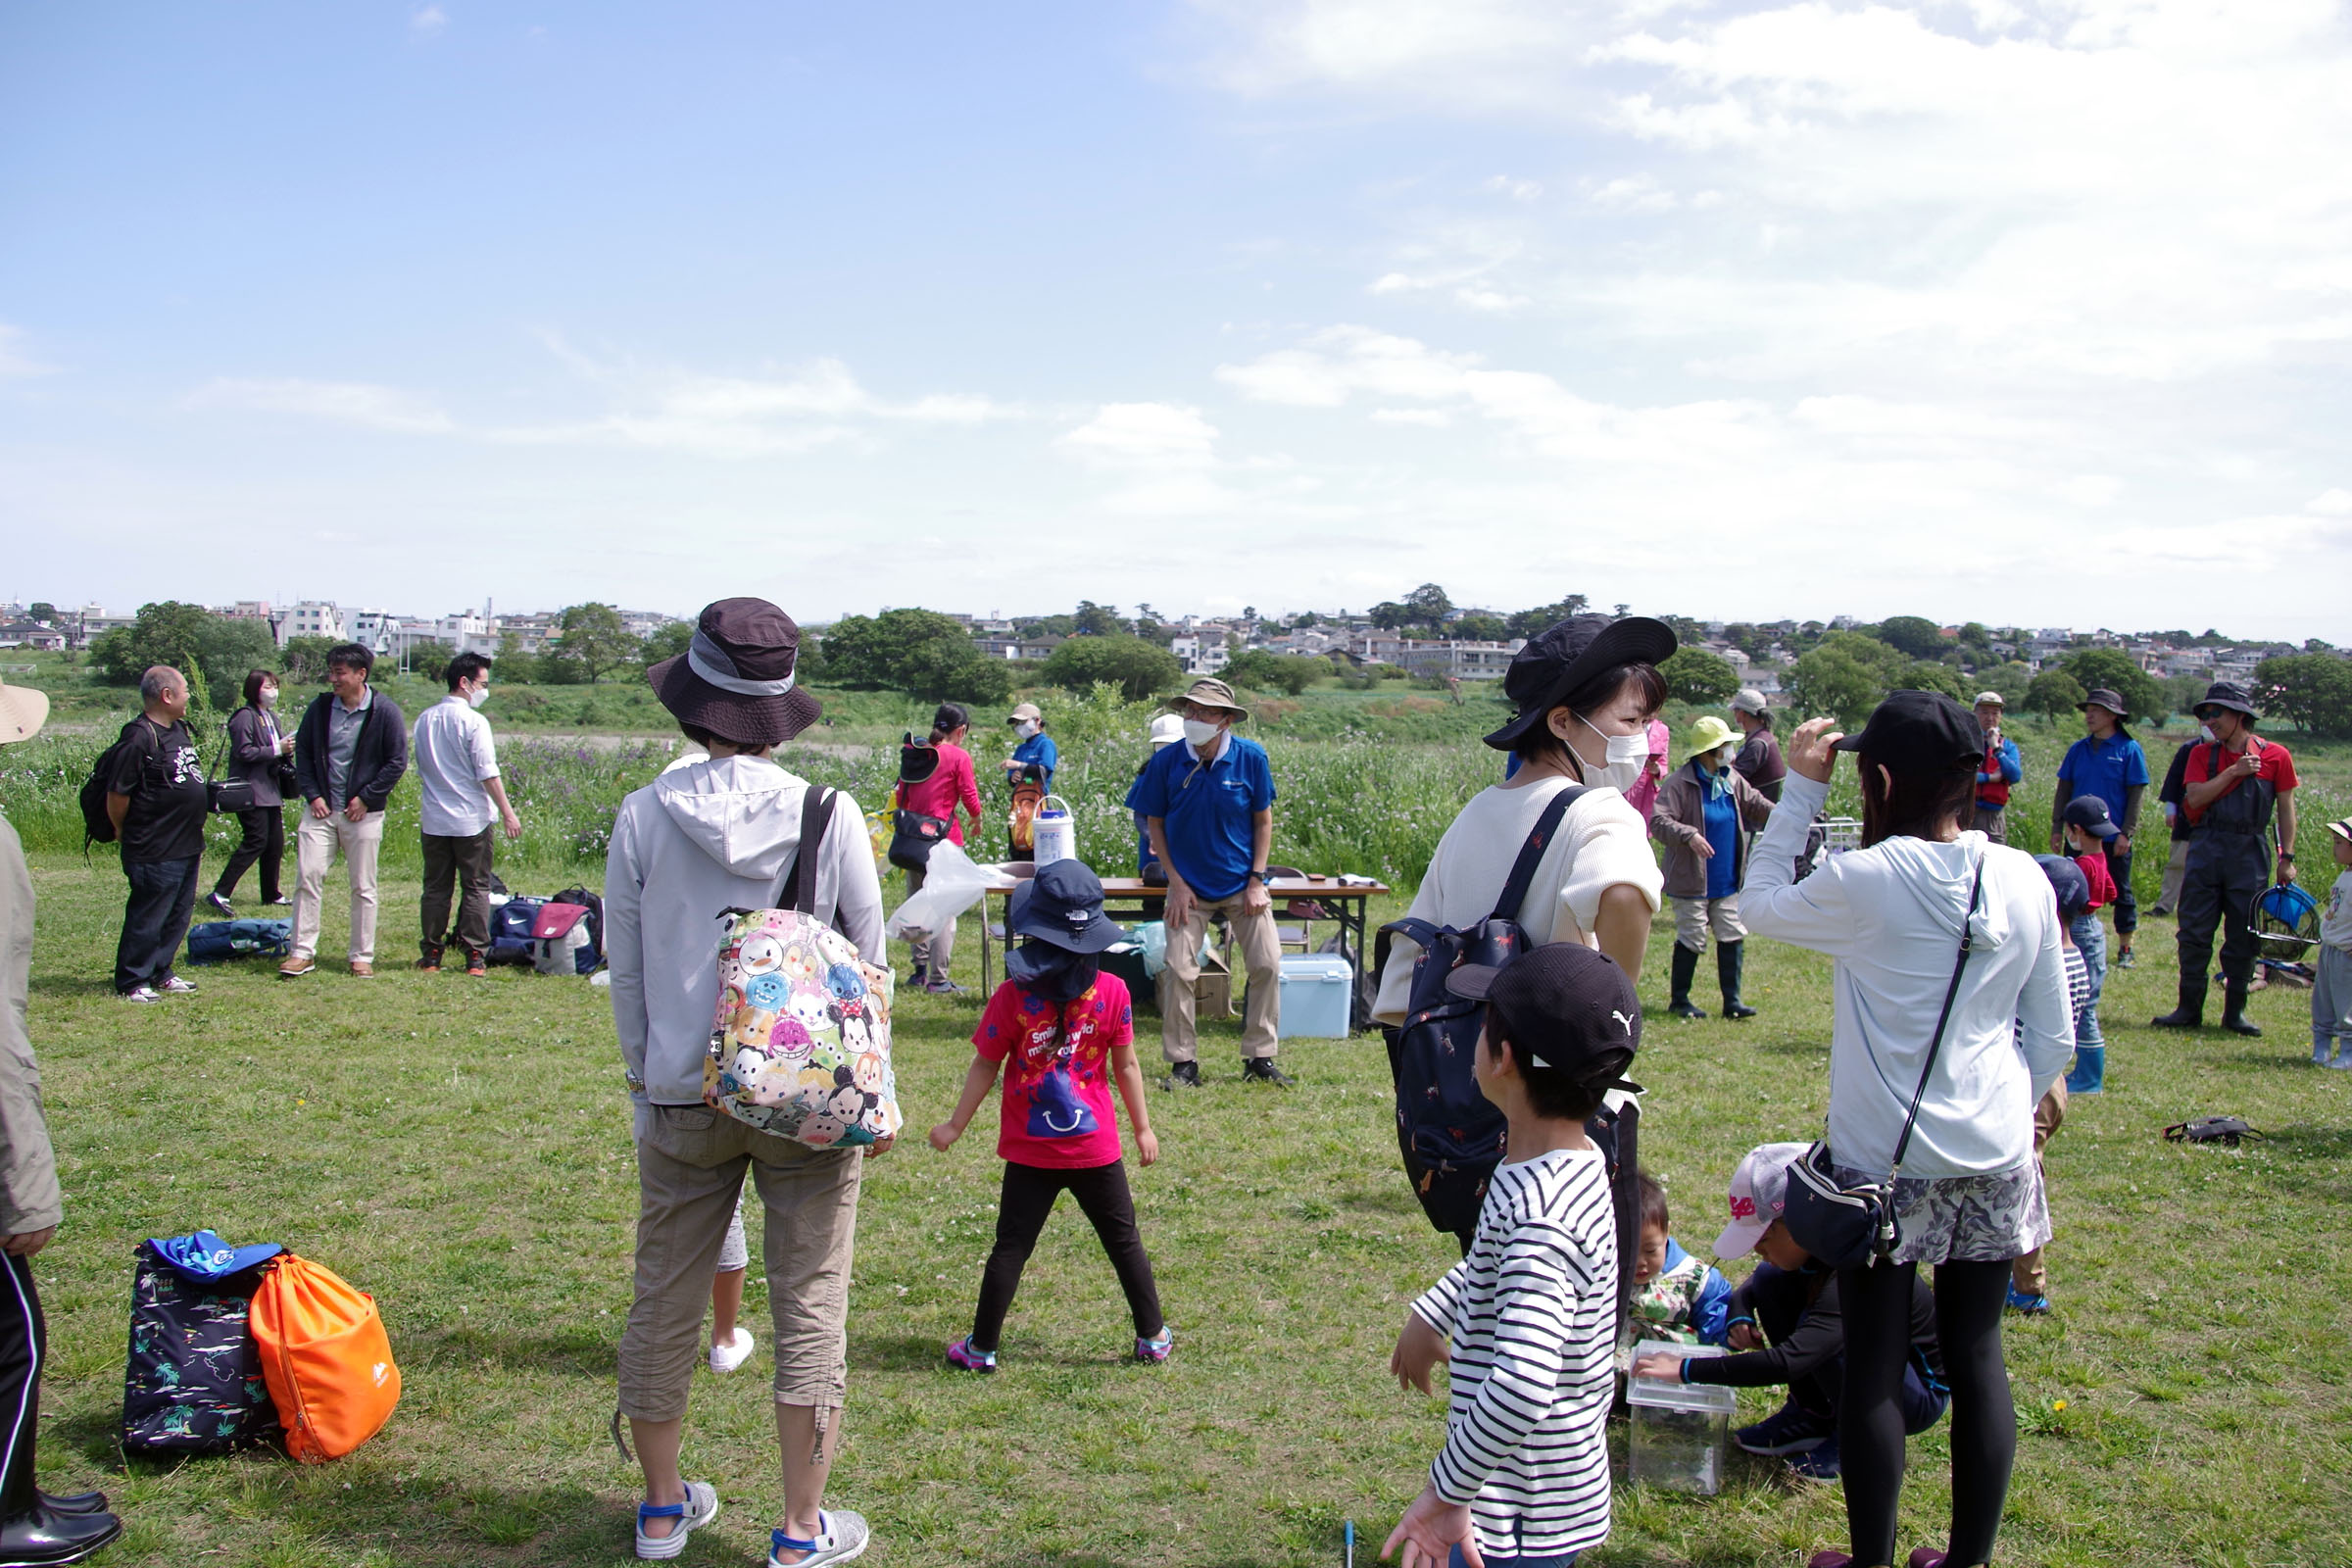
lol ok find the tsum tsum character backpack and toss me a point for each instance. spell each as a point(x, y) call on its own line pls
point(799, 1041)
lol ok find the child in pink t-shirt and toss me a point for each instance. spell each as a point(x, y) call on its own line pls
point(1061, 1030)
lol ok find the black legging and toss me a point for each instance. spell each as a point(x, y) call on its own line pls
point(1876, 1303)
point(24, 1347)
point(265, 841)
point(1022, 1212)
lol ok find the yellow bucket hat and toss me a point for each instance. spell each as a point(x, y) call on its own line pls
point(1710, 733)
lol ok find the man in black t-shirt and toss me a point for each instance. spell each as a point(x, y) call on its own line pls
point(156, 799)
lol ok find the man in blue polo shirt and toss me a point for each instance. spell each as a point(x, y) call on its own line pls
point(1207, 804)
point(2109, 764)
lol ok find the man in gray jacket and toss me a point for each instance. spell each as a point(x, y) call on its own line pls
point(713, 835)
point(35, 1528)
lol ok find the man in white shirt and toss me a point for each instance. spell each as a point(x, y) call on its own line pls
point(457, 764)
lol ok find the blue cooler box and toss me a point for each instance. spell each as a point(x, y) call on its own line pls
point(1315, 989)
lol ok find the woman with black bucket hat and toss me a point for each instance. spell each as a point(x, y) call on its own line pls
point(718, 834)
point(1951, 1020)
point(1586, 690)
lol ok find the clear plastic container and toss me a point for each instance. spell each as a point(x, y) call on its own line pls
point(1680, 1430)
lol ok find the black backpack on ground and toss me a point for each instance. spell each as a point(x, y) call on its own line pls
point(193, 1382)
point(1449, 1134)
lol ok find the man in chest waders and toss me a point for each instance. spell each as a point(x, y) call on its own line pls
point(2236, 783)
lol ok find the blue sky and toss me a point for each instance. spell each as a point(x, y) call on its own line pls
point(2023, 313)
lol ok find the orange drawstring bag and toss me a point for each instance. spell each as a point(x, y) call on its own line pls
point(325, 1357)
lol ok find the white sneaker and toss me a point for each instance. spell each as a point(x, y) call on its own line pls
point(843, 1536)
point(174, 986)
point(698, 1509)
point(142, 994)
point(732, 1355)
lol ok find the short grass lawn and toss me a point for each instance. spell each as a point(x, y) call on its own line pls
point(460, 1149)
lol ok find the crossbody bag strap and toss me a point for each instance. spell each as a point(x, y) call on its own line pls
point(1531, 854)
point(1968, 938)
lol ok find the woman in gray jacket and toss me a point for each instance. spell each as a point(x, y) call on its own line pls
point(700, 839)
point(257, 749)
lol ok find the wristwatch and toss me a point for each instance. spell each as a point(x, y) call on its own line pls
point(1261, 876)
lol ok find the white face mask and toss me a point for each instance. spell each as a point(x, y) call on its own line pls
point(1200, 732)
point(1626, 757)
point(1026, 729)
point(268, 697)
point(478, 695)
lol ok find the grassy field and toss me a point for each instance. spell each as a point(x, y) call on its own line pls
point(461, 1150)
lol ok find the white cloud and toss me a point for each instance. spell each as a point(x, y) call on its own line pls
point(355, 403)
point(717, 416)
point(14, 361)
point(2330, 503)
point(1157, 435)
point(427, 21)
point(1518, 190)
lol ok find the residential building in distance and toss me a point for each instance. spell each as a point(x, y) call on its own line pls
point(1200, 655)
point(308, 617)
point(1466, 659)
point(38, 635)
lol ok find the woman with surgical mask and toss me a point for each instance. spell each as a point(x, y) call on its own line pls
point(1032, 747)
point(1586, 691)
point(257, 745)
point(1701, 816)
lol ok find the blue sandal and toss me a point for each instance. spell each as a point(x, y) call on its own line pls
point(698, 1509)
point(842, 1535)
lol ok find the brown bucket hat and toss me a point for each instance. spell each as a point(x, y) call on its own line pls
point(736, 678)
point(1209, 694)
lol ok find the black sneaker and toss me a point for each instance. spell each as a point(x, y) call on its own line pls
point(218, 905)
point(1787, 1430)
point(1262, 1070)
point(1184, 1075)
point(1818, 1463)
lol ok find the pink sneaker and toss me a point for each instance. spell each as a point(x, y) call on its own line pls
point(1156, 1350)
point(961, 1354)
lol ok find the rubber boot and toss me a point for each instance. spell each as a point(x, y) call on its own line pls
point(1730, 957)
point(2089, 1075)
point(2190, 1014)
point(2233, 1011)
point(1686, 969)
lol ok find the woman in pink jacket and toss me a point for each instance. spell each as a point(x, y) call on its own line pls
point(949, 785)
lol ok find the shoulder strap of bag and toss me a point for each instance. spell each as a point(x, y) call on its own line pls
point(1531, 854)
point(799, 877)
point(1968, 938)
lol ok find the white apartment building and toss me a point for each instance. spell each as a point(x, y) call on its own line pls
point(1200, 656)
point(308, 617)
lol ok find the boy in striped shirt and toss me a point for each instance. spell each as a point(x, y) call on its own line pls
point(1528, 1320)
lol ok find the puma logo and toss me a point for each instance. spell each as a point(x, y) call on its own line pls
point(1623, 1019)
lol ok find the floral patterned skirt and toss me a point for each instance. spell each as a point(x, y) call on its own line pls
point(1966, 1219)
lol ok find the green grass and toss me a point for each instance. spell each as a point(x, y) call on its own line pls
point(461, 1150)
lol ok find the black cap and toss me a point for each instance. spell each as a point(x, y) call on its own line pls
point(2227, 694)
point(1918, 732)
point(1566, 654)
point(1570, 1008)
point(2068, 882)
point(1062, 904)
point(2089, 813)
point(2107, 698)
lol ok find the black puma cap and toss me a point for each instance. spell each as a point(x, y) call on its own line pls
point(1568, 1007)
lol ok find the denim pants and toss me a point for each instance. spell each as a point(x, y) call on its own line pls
point(2091, 938)
point(1491, 1561)
point(155, 918)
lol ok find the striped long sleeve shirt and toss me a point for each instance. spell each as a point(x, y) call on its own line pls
point(1531, 1315)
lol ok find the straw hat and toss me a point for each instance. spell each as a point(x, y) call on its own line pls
point(23, 712)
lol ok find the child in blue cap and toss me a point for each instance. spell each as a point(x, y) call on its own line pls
point(1061, 1029)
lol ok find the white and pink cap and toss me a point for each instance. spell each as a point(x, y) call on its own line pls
point(1759, 1192)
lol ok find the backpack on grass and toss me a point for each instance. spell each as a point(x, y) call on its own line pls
point(217, 941)
point(325, 1358)
point(192, 1382)
point(1449, 1134)
point(799, 1041)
